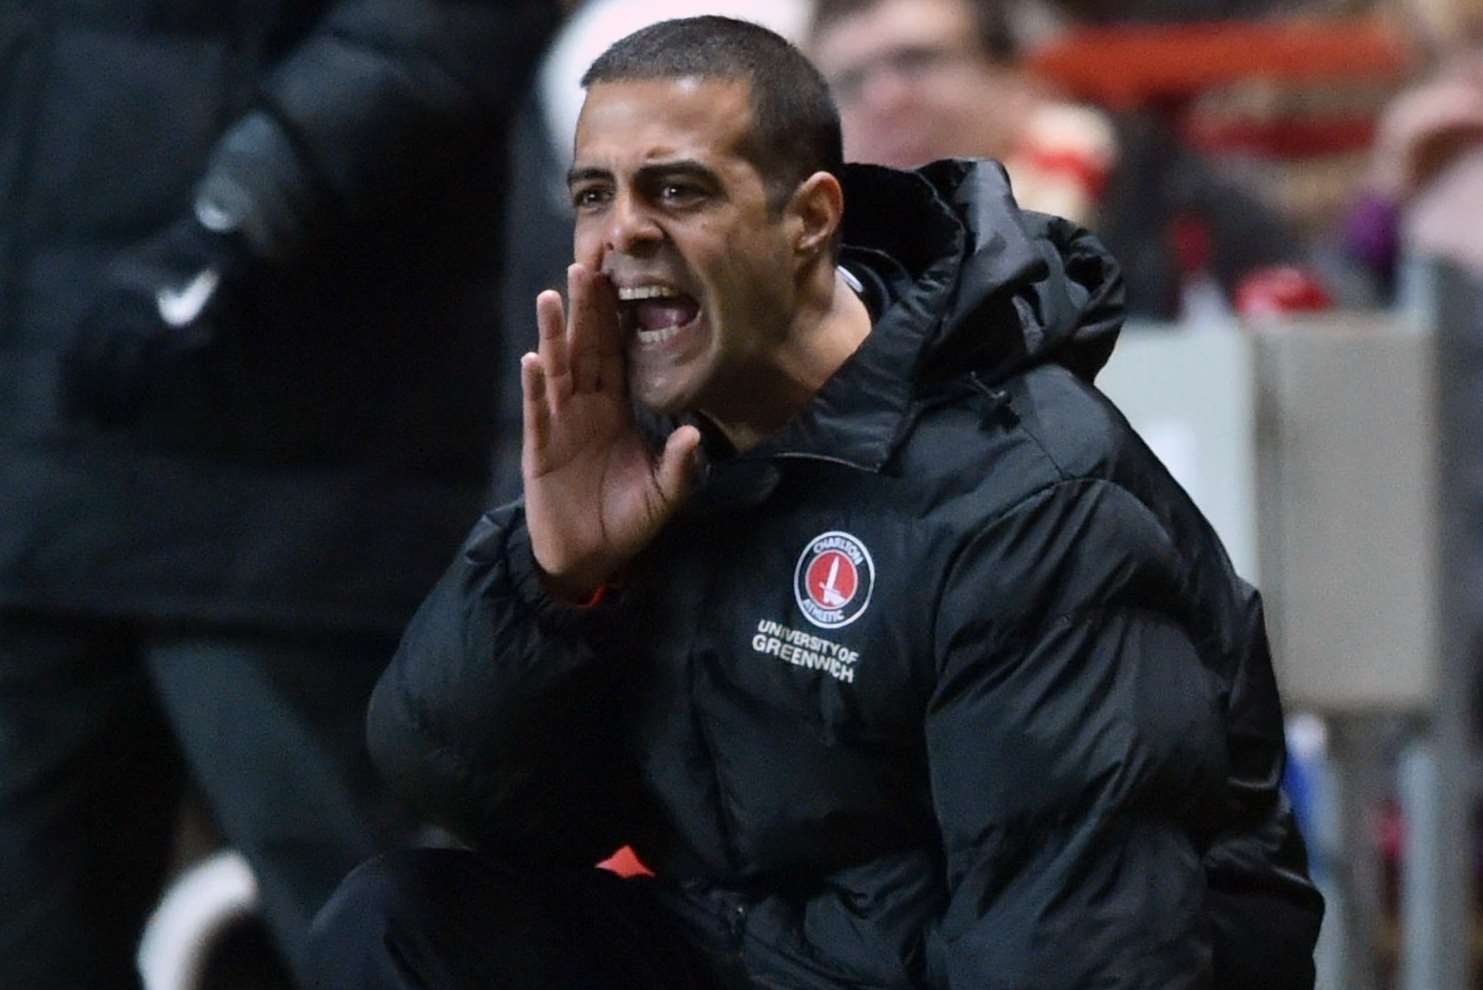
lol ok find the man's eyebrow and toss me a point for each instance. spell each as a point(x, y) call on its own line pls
point(647, 172)
point(683, 166)
point(586, 174)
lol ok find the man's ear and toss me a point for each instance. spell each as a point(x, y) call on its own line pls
point(818, 206)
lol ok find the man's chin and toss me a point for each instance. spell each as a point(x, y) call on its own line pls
point(657, 399)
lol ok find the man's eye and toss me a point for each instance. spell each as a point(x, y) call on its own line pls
point(678, 191)
point(587, 198)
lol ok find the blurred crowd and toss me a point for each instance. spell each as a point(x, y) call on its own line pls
point(266, 271)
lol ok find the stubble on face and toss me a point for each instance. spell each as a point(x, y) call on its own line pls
point(673, 211)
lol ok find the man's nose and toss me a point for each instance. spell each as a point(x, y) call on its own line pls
point(631, 228)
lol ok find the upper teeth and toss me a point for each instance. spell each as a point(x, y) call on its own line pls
point(629, 294)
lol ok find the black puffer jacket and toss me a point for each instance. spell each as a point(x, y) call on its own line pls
point(948, 684)
point(317, 457)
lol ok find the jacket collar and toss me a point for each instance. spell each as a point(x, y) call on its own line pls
point(979, 286)
point(856, 415)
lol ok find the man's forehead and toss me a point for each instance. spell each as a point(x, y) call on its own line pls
point(629, 113)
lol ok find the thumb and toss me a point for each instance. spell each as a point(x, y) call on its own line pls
point(676, 474)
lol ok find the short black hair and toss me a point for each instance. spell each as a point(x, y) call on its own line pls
point(795, 124)
point(991, 17)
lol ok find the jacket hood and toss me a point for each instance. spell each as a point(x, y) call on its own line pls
point(977, 286)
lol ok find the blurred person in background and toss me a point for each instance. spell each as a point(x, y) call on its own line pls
point(1424, 194)
point(247, 259)
point(923, 79)
point(918, 80)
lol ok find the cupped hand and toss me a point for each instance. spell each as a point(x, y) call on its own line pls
point(595, 494)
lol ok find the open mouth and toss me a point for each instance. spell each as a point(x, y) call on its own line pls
point(655, 313)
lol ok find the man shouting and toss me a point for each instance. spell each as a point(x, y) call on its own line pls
point(898, 658)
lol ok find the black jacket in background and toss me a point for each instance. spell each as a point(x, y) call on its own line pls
point(317, 464)
point(1036, 745)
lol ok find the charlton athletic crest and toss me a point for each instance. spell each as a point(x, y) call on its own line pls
point(833, 580)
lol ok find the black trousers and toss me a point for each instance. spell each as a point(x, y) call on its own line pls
point(450, 919)
point(104, 724)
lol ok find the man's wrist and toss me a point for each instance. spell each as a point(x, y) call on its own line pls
point(592, 600)
point(583, 593)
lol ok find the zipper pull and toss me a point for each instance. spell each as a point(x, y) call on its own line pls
point(997, 410)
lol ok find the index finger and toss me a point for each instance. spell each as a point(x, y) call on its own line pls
point(595, 340)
